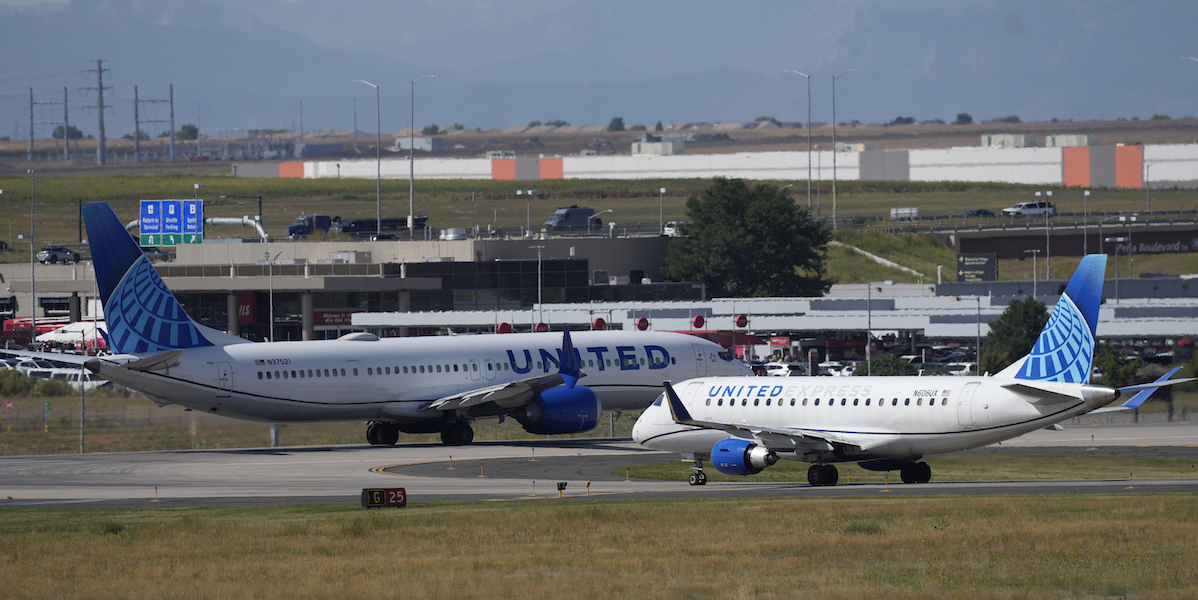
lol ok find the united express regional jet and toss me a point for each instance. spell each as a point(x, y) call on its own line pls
point(409, 385)
point(745, 424)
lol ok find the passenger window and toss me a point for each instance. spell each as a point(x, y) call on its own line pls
point(642, 362)
point(792, 401)
point(756, 402)
point(767, 401)
point(326, 372)
point(719, 402)
point(489, 366)
point(388, 370)
point(259, 374)
point(709, 402)
point(284, 374)
point(844, 401)
point(421, 368)
point(438, 368)
point(817, 401)
point(507, 366)
point(369, 371)
point(854, 402)
point(608, 362)
point(907, 402)
point(894, 402)
point(310, 372)
point(293, 374)
point(539, 365)
point(673, 361)
point(455, 368)
point(343, 372)
point(475, 367)
point(867, 401)
point(804, 402)
point(744, 402)
point(301, 373)
point(919, 402)
point(944, 402)
point(355, 371)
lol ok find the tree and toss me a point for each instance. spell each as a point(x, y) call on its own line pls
point(458, 126)
point(430, 130)
point(536, 123)
point(1008, 119)
point(901, 120)
point(1013, 334)
point(74, 133)
point(885, 364)
point(963, 119)
point(749, 241)
point(616, 124)
point(140, 133)
point(188, 132)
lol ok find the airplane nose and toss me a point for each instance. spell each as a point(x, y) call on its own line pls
point(637, 430)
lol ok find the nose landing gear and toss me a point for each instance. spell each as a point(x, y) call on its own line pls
point(697, 477)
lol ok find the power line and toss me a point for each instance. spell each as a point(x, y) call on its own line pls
point(137, 121)
point(101, 155)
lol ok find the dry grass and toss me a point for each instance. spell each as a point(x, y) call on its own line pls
point(1000, 547)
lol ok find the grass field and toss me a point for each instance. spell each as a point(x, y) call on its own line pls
point(450, 204)
point(1071, 546)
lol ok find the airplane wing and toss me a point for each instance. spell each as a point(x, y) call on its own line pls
point(71, 359)
point(786, 439)
point(506, 395)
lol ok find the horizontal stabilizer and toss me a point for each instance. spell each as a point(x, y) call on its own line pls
point(158, 362)
point(1144, 390)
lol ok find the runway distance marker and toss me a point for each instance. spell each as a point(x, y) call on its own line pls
point(384, 497)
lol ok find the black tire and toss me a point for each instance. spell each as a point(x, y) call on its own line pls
point(925, 472)
point(694, 479)
point(815, 475)
point(909, 473)
point(388, 434)
point(447, 436)
point(458, 434)
point(702, 478)
point(53, 259)
point(372, 435)
point(831, 475)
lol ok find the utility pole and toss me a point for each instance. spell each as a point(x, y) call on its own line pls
point(66, 127)
point(32, 103)
point(137, 121)
point(101, 154)
point(356, 127)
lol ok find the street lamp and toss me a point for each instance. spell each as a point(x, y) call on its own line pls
point(412, 161)
point(539, 309)
point(834, 143)
point(378, 158)
point(258, 198)
point(9, 210)
point(1129, 219)
point(32, 261)
point(819, 179)
point(1034, 253)
point(1047, 253)
point(1086, 223)
point(528, 194)
point(661, 219)
point(1148, 186)
point(808, 134)
point(869, 327)
point(271, 265)
point(596, 216)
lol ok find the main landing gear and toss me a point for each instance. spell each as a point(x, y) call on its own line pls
point(698, 477)
point(819, 475)
point(457, 434)
point(919, 472)
point(382, 434)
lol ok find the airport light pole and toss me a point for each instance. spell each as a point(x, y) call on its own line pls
point(378, 159)
point(9, 210)
point(528, 194)
point(32, 262)
point(808, 134)
point(661, 219)
point(271, 265)
point(412, 161)
point(834, 142)
point(1034, 252)
point(596, 216)
point(540, 318)
point(1117, 240)
point(1148, 186)
point(1129, 219)
point(1047, 240)
point(819, 179)
point(1086, 223)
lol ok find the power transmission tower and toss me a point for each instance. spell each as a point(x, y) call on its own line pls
point(137, 121)
point(101, 154)
point(66, 130)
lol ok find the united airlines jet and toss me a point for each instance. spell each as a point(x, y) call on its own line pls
point(745, 424)
point(408, 385)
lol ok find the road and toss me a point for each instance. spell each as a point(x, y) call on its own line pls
point(490, 471)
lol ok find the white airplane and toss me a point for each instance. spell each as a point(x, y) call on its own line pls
point(409, 385)
point(745, 424)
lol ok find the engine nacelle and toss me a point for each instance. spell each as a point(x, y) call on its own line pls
point(561, 410)
point(734, 456)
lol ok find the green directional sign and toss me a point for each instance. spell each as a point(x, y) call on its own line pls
point(172, 239)
point(151, 239)
point(193, 238)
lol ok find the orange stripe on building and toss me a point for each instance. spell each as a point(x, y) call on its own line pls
point(1076, 166)
point(503, 169)
point(292, 170)
point(1129, 167)
point(551, 168)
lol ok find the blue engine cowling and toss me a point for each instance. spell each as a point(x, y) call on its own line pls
point(734, 456)
point(561, 410)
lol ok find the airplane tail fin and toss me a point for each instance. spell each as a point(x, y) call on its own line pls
point(570, 366)
point(141, 314)
point(1065, 349)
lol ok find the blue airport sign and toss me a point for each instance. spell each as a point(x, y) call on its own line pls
point(151, 216)
point(171, 222)
point(193, 216)
point(172, 216)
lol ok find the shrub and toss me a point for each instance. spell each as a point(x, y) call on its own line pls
point(52, 388)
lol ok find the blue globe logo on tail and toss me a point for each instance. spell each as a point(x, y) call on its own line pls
point(146, 317)
point(1065, 349)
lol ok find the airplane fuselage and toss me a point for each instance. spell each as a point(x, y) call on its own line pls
point(394, 379)
point(872, 417)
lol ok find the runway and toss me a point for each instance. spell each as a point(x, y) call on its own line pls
point(500, 471)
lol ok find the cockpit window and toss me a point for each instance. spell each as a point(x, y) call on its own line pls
point(659, 399)
point(726, 356)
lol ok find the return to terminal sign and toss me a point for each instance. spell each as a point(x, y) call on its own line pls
point(977, 267)
point(171, 222)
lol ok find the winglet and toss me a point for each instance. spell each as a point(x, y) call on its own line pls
point(570, 366)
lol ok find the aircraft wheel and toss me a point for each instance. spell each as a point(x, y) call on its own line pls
point(372, 433)
point(702, 478)
point(909, 473)
point(694, 479)
point(925, 472)
point(458, 434)
point(815, 475)
point(387, 434)
point(831, 475)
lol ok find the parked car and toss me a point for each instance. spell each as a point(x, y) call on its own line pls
point(1030, 209)
point(673, 228)
point(57, 254)
point(572, 218)
point(977, 212)
point(155, 255)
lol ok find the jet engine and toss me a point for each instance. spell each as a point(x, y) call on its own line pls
point(561, 410)
point(734, 456)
